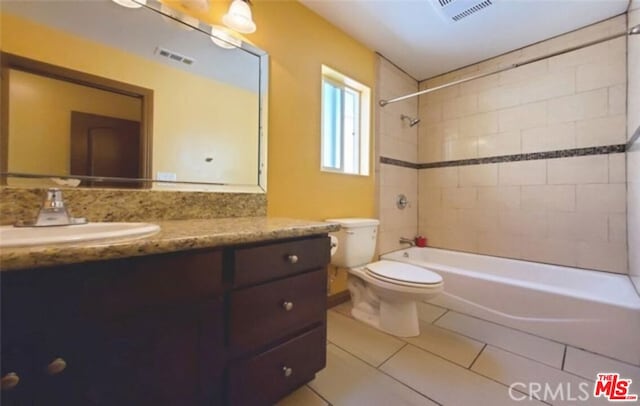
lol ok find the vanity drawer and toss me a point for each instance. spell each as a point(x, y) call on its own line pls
point(262, 263)
point(262, 314)
point(158, 280)
point(265, 378)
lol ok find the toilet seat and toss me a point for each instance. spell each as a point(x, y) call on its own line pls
point(400, 273)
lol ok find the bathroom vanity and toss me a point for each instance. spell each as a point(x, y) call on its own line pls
point(206, 319)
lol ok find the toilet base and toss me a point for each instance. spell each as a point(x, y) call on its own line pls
point(396, 317)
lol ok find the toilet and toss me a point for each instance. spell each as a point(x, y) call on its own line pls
point(384, 293)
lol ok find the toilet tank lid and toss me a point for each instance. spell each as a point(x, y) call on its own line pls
point(355, 222)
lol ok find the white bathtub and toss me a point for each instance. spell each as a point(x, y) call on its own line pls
point(597, 311)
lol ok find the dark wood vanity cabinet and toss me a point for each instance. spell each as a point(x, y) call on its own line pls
point(237, 325)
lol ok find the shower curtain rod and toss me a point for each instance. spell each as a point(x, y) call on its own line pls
point(633, 31)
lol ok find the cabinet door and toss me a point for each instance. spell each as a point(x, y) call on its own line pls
point(154, 358)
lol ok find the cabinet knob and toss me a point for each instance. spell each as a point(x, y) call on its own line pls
point(10, 381)
point(292, 258)
point(287, 305)
point(56, 366)
point(286, 371)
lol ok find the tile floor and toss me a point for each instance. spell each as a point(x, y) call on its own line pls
point(457, 360)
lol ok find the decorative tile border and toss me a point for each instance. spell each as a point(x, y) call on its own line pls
point(565, 153)
point(398, 162)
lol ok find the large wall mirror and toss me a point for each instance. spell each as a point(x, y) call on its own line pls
point(128, 97)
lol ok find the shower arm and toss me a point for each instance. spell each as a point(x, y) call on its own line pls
point(633, 31)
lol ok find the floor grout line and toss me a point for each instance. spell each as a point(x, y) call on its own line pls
point(564, 358)
point(319, 395)
point(477, 356)
point(439, 317)
point(390, 376)
point(472, 371)
point(391, 356)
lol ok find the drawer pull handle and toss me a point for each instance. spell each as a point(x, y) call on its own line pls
point(10, 381)
point(56, 366)
point(293, 259)
point(287, 305)
point(286, 371)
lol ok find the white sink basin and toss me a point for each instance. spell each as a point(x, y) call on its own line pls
point(11, 236)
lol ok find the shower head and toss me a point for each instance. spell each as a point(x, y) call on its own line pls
point(412, 121)
point(635, 30)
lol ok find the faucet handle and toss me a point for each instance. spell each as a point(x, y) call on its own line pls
point(53, 199)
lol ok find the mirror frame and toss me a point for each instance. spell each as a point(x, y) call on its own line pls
point(9, 61)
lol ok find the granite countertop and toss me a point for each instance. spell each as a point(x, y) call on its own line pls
point(174, 235)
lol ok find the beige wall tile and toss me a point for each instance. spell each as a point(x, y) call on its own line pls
point(618, 99)
point(441, 218)
point(551, 251)
point(460, 106)
point(479, 175)
point(496, 243)
point(608, 130)
point(499, 98)
point(602, 198)
point(502, 197)
point(439, 177)
point(606, 256)
point(505, 143)
point(463, 148)
point(478, 124)
point(524, 116)
point(528, 223)
point(617, 168)
point(579, 106)
point(579, 170)
point(549, 197)
point(593, 227)
point(609, 50)
point(549, 138)
point(431, 150)
point(523, 173)
point(550, 85)
point(605, 73)
point(459, 198)
point(479, 219)
point(617, 227)
point(523, 73)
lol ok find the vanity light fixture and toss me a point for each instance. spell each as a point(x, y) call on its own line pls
point(239, 17)
point(130, 3)
point(223, 38)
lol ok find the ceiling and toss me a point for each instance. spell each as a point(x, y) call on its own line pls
point(413, 36)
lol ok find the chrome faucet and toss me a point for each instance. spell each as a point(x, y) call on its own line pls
point(410, 241)
point(53, 212)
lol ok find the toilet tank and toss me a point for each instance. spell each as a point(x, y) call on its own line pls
point(356, 241)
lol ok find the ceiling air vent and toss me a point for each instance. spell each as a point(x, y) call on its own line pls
point(174, 56)
point(455, 10)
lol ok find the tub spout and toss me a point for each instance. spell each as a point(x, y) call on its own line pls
point(410, 241)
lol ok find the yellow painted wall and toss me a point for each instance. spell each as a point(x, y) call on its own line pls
point(40, 119)
point(228, 133)
point(299, 42)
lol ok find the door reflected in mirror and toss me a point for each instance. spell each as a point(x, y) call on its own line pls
point(98, 90)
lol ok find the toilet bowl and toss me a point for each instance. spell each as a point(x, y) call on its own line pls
point(383, 293)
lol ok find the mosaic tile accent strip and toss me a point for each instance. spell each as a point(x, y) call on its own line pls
point(398, 162)
point(564, 153)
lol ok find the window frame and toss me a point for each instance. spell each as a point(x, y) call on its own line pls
point(344, 83)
